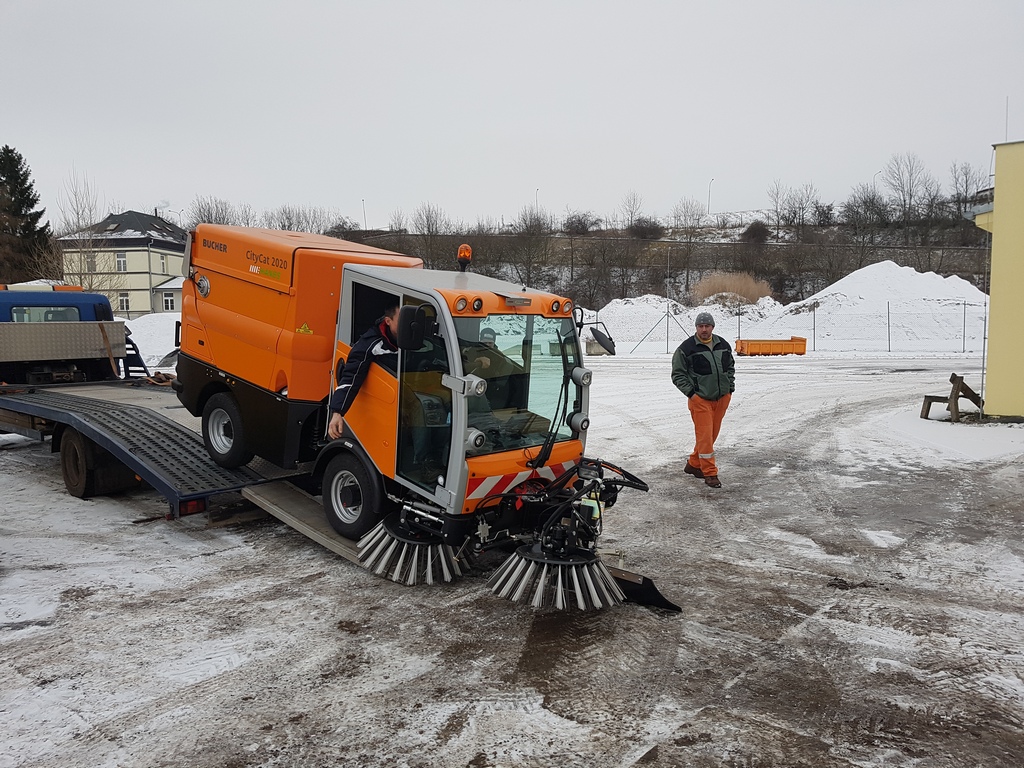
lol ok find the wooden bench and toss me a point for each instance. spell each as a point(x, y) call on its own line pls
point(952, 401)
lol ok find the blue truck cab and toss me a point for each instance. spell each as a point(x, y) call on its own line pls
point(62, 334)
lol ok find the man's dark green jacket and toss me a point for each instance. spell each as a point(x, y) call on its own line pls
point(705, 370)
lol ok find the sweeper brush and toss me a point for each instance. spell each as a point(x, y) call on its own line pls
point(536, 578)
point(407, 556)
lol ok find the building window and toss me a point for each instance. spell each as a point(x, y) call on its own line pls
point(122, 261)
point(163, 264)
point(122, 302)
point(90, 262)
point(168, 302)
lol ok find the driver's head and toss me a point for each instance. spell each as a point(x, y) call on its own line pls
point(488, 336)
point(391, 317)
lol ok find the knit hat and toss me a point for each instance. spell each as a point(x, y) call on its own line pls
point(705, 318)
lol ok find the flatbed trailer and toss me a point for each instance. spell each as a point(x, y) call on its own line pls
point(111, 435)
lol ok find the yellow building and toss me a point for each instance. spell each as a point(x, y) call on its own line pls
point(134, 258)
point(1004, 368)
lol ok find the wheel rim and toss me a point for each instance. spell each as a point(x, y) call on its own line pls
point(221, 433)
point(346, 497)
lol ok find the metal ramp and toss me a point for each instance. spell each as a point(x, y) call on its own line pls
point(299, 510)
point(168, 456)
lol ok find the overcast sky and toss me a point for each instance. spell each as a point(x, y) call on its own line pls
point(484, 108)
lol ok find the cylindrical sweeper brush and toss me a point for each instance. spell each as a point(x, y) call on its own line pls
point(546, 580)
point(408, 557)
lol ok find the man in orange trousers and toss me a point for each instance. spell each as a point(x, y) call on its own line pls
point(703, 369)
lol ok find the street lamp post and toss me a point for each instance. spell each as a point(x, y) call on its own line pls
point(536, 200)
point(364, 214)
point(709, 195)
point(873, 180)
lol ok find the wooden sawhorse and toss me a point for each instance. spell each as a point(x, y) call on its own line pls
point(952, 401)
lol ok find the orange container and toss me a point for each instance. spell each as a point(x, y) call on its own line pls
point(795, 345)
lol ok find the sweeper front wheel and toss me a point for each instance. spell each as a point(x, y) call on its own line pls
point(353, 498)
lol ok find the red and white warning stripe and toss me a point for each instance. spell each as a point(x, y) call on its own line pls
point(480, 487)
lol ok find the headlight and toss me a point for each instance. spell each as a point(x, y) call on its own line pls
point(478, 304)
point(461, 304)
point(581, 376)
point(556, 305)
point(578, 422)
point(567, 307)
point(475, 386)
point(475, 440)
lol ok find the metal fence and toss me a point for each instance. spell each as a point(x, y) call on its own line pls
point(939, 325)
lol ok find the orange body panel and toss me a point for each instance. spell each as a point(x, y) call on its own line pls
point(375, 421)
point(501, 472)
point(270, 315)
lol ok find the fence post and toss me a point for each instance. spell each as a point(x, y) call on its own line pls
point(814, 328)
point(965, 327)
point(888, 327)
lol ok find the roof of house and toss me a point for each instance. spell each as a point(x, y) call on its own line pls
point(174, 284)
point(133, 226)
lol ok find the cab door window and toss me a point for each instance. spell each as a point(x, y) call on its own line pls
point(425, 412)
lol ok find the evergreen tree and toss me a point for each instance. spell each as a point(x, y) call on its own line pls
point(21, 236)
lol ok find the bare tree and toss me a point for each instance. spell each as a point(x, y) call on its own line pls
point(577, 224)
point(632, 205)
point(687, 217)
point(397, 222)
point(801, 202)
point(688, 214)
point(528, 251)
point(966, 182)
point(210, 210)
point(432, 228)
point(87, 256)
point(778, 195)
point(908, 181)
point(863, 216)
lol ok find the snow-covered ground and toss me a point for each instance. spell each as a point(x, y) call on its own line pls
point(852, 595)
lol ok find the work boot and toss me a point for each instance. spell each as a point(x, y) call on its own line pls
point(712, 481)
point(692, 470)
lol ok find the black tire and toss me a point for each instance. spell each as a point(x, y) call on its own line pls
point(353, 497)
point(76, 460)
point(223, 432)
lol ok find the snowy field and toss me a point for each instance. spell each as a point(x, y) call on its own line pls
point(852, 597)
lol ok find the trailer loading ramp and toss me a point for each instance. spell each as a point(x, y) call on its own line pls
point(297, 509)
point(167, 455)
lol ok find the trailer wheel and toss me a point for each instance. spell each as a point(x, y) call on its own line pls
point(76, 458)
point(352, 497)
point(223, 432)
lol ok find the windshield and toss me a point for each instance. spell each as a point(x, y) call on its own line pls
point(521, 359)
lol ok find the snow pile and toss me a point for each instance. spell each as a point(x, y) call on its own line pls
point(153, 334)
point(882, 307)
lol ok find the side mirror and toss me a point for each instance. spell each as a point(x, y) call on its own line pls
point(412, 323)
point(604, 340)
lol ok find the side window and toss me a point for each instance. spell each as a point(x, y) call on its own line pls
point(122, 261)
point(425, 407)
point(123, 305)
point(45, 314)
point(168, 302)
